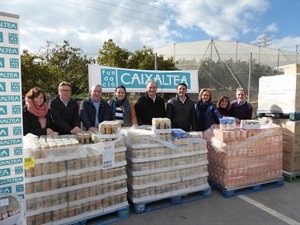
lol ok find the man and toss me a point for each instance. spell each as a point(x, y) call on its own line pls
point(65, 110)
point(240, 108)
point(149, 105)
point(181, 110)
point(94, 110)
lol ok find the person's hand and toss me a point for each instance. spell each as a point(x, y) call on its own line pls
point(93, 129)
point(134, 126)
point(238, 121)
point(75, 130)
point(50, 131)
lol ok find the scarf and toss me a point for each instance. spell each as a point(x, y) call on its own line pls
point(39, 111)
point(120, 102)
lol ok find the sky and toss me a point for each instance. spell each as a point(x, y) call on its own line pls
point(133, 24)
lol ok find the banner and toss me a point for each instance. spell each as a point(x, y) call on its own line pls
point(136, 80)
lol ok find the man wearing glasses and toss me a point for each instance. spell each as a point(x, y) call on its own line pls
point(65, 110)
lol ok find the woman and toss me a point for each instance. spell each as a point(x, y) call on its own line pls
point(37, 117)
point(223, 105)
point(207, 113)
point(122, 109)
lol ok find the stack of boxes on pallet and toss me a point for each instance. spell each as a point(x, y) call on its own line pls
point(71, 182)
point(244, 156)
point(279, 97)
point(291, 145)
point(162, 163)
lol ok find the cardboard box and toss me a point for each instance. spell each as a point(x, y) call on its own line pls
point(288, 127)
point(291, 69)
point(291, 162)
point(279, 94)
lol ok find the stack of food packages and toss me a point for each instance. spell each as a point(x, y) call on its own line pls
point(161, 164)
point(67, 181)
point(246, 155)
point(291, 145)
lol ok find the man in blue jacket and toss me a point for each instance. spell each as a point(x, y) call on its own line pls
point(94, 110)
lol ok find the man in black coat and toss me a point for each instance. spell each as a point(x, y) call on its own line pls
point(181, 110)
point(149, 105)
point(65, 110)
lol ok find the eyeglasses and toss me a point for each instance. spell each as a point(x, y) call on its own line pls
point(65, 90)
point(206, 95)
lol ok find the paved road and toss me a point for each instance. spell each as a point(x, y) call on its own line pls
point(276, 206)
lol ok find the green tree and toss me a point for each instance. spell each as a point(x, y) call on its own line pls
point(112, 55)
point(53, 64)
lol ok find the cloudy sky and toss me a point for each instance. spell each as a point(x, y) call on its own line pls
point(132, 24)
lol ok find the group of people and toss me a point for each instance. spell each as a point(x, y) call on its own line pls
point(63, 115)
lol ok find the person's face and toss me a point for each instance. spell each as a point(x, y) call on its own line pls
point(39, 100)
point(151, 89)
point(224, 103)
point(120, 93)
point(181, 91)
point(65, 92)
point(96, 93)
point(205, 96)
point(240, 96)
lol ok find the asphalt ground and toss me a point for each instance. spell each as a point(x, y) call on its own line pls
point(274, 206)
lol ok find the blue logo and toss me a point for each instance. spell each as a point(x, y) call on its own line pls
point(8, 25)
point(5, 172)
point(3, 110)
point(3, 132)
point(18, 151)
point(11, 75)
point(16, 109)
point(9, 51)
point(20, 188)
point(14, 63)
point(2, 87)
point(15, 87)
point(14, 141)
point(12, 180)
point(108, 78)
point(19, 170)
point(13, 38)
point(10, 98)
point(5, 190)
point(2, 63)
point(167, 80)
point(4, 152)
point(17, 131)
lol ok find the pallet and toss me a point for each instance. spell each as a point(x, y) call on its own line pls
point(291, 177)
point(231, 192)
point(294, 116)
point(107, 218)
point(174, 200)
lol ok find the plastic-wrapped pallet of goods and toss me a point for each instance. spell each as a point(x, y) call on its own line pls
point(245, 160)
point(71, 183)
point(158, 169)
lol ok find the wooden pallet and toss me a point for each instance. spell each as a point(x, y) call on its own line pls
point(291, 177)
point(231, 192)
point(174, 200)
point(294, 116)
point(107, 218)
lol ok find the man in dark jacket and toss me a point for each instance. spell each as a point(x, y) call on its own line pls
point(65, 110)
point(181, 110)
point(149, 105)
point(94, 110)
